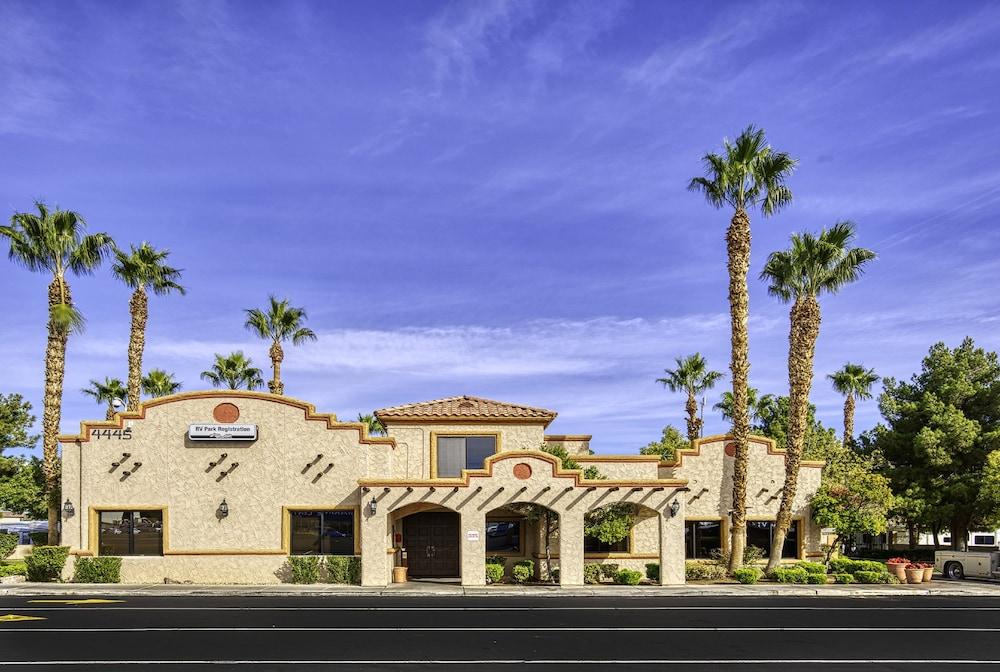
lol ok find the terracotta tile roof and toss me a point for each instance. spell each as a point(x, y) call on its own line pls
point(466, 407)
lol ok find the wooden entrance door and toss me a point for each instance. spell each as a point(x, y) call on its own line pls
point(431, 542)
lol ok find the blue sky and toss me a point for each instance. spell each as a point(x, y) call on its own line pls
point(489, 198)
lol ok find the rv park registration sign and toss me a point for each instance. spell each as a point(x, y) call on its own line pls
point(222, 432)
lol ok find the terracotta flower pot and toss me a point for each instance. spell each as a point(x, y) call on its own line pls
point(928, 573)
point(897, 569)
point(914, 575)
point(399, 574)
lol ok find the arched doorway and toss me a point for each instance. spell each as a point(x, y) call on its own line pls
point(431, 540)
point(522, 531)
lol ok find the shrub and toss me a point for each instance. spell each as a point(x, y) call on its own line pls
point(529, 564)
point(46, 562)
point(38, 538)
point(494, 573)
point(841, 566)
point(812, 567)
point(305, 568)
point(103, 569)
point(8, 542)
point(868, 566)
point(521, 573)
point(703, 571)
point(751, 556)
point(868, 577)
point(843, 577)
point(18, 568)
point(555, 575)
point(342, 569)
point(790, 575)
point(496, 560)
point(653, 571)
point(815, 578)
point(628, 577)
point(592, 573)
point(609, 571)
point(747, 575)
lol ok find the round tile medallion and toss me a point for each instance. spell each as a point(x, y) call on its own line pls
point(226, 413)
point(522, 471)
point(731, 448)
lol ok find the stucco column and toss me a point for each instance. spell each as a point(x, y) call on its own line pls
point(571, 547)
point(374, 543)
point(472, 541)
point(672, 542)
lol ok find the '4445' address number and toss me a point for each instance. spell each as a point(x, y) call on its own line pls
point(123, 434)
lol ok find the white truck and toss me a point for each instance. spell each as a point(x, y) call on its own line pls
point(960, 564)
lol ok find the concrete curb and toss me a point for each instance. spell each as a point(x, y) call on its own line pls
point(947, 589)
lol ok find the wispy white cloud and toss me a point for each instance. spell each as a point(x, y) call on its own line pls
point(939, 40)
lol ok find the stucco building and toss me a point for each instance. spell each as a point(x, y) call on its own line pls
point(222, 486)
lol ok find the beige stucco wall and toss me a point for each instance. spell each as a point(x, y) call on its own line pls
point(623, 467)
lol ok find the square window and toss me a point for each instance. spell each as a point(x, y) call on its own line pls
point(455, 453)
point(322, 532)
point(130, 533)
point(503, 536)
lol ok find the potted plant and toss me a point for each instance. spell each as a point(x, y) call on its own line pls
point(914, 572)
point(897, 567)
point(928, 570)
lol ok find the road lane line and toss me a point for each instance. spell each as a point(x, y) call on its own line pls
point(494, 629)
point(664, 608)
point(530, 661)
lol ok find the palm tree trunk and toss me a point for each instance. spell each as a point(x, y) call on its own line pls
point(803, 332)
point(55, 371)
point(693, 421)
point(139, 307)
point(738, 248)
point(110, 413)
point(849, 420)
point(277, 354)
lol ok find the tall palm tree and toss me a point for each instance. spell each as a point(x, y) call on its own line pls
point(278, 322)
point(812, 266)
point(748, 174)
point(110, 391)
point(159, 383)
point(691, 376)
point(375, 427)
point(855, 382)
point(140, 269)
point(234, 371)
point(55, 242)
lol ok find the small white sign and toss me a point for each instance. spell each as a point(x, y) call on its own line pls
point(472, 535)
point(222, 432)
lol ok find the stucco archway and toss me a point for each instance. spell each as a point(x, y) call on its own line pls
point(524, 530)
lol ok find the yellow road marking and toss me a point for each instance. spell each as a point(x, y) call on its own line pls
point(92, 600)
point(6, 618)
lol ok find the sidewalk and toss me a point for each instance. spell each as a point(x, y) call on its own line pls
point(418, 589)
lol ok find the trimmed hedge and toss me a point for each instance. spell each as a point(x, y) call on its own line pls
point(843, 577)
point(494, 573)
point(521, 573)
point(703, 571)
point(653, 571)
point(305, 568)
point(812, 567)
point(628, 577)
point(840, 565)
point(46, 562)
point(816, 578)
point(16, 568)
point(609, 571)
point(102, 569)
point(790, 575)
point(747, 575)
point(592, 573)
point(342, 569)
point(8, 543)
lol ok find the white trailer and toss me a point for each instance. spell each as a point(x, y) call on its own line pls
point(960, 564)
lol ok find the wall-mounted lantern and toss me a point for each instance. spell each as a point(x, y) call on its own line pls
point(223, 510)
point(373, 506)
point(68, 509)
point(674, 508)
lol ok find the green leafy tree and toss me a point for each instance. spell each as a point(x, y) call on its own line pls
point(855, 382)
point(693, 377)
point(669, 443)
point(234, 371)
point(279, 322)
point(54, 242)
point(107, 393)
point(772, 422)
point(853, 498)
point(159, 383)
point(22, 486)
point(374, 425)
point(16, 420)
point(141, 269)
point(747, 175)
point(942, 436)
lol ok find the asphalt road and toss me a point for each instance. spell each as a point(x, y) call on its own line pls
point(417, 633)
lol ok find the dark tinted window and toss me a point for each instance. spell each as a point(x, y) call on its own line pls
point(703, 538)
point(130, 533)
point(595, 545)
point(322, 532)
point(455, 453)
point(503, 536)
point(760, 533)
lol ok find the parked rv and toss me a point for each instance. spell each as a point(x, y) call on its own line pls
point(960, 564)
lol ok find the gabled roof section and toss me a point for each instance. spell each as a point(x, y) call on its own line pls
point(465, 408)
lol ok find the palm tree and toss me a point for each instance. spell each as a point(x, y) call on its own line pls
point(54, 242)
point(855, 382)
point(278, 322)
point(812, 266)
point(691, 376)
point(374, 425)
point(159, 383)
point(754, 404)
point(141, 269)
point(109, 392)
point(234, 371)
point(748, 174)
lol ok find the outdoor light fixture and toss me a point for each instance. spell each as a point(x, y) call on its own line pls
point(68, 509)
point(373, 506)
point(674, 508)
point(223, 509)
